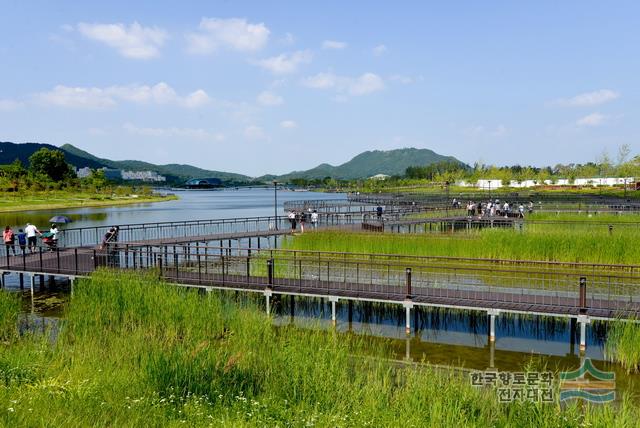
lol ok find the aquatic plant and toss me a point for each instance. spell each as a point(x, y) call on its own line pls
point(623, 344)
point(134, 351)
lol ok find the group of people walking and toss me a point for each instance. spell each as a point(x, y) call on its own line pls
point(494, 208)
point(27, 238)
point(301, 217)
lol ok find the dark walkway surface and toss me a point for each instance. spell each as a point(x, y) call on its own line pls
point(527, 289)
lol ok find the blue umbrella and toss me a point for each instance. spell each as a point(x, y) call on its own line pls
point(60, 219)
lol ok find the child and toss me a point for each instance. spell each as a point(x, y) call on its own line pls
point(22, 241)
point(9, 239)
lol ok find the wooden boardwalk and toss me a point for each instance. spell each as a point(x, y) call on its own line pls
point(551, 290)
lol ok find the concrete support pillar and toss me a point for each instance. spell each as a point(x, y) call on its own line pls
point(492, 354)
point(408, 304)
point(32, 284)
point(333, 300)
point(71, 281)
point(492, 324)
point(407, 348)
point(267, 294)
point(583, 320)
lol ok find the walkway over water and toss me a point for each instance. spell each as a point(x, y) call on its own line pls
point(174, 251)
point(608, 291)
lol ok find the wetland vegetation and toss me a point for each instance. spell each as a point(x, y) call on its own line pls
point(133, 351)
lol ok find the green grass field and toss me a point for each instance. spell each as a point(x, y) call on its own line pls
point(135, 352)
point(62, 199)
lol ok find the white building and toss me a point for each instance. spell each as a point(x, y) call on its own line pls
point(488, 184)
point(83, 172)
point(379, 177)
point(143, 176)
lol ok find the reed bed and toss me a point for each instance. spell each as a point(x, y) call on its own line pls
point(623, 344)
point(535, 242)
point(137, 352)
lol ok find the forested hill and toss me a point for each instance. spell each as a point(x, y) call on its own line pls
point(170, 170)
point(370, 163)
point(9, 152)
point(175, 173)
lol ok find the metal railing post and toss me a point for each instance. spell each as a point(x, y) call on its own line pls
point(270, 272)
point(408, 281)
point(583, 295)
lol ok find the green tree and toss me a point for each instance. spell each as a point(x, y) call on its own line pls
point(50, 163)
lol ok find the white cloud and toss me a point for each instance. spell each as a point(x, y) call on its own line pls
point(333, 44)
point(367, 83)
point(254, 133)
point(96, 98)
point(589, 99)
point(234, 33)
point(268, 98)
point(9, 105)
point(134, 41)
point(174, 132)
point(285, 63)
point(321, 81)
point(591, 120)
point(483, 131)
point(379, 50)
point(405, 80)
point(288, 124)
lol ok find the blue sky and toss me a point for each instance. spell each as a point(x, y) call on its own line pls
point(269, 87)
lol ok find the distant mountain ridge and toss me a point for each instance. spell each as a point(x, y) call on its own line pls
point(180, 171)
point(370, 163)
point(364, 165)
point(79, 158)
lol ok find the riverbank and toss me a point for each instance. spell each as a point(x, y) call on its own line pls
point(61, 200)
point(134, 352)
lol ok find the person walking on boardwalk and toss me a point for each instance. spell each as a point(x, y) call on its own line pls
point(9, 240)
point(54, 235)
point(303, 219)
point(314, 219)
point(22, 241)
point(32, 236)
point(292, 219)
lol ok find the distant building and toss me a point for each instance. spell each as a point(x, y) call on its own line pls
point(488, 184)
point(379, 177)
point(150, 176)
point(203, 183)
point(83, 172)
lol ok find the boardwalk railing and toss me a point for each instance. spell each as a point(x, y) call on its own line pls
point(510, 285)
point(199, 230)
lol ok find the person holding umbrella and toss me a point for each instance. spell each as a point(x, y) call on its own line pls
point(54, 231)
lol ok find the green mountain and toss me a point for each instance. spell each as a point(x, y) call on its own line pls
point(9, 152)
point(367, 164)
point(173, 172)
point(370, 163)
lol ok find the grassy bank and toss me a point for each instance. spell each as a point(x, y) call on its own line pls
point(48, 200)
point(536, 242)
point(134, 352)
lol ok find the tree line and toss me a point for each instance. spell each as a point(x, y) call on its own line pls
point(49, 170)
